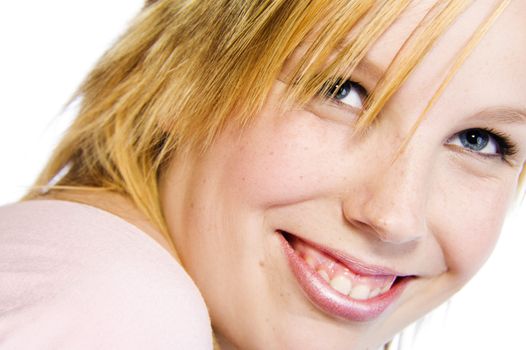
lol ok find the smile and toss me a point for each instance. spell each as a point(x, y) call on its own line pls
point(340, 285)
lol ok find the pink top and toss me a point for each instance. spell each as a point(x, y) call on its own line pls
point(76, 277)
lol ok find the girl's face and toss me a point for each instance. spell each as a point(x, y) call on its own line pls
point(301, 235)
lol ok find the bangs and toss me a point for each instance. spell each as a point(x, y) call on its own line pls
point(228, 73)
point(187, 68)
point(343, 43)
point(317, 71)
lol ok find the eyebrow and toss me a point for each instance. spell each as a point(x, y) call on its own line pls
point(366, 66)
point(371, 69)
point(503, 115)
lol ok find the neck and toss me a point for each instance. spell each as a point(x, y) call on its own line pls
point(221, 343)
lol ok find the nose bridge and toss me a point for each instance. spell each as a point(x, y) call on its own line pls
point(392, 201)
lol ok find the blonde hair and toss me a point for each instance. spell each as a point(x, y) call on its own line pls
point(186, 68)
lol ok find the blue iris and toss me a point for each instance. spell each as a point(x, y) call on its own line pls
point(474, 139)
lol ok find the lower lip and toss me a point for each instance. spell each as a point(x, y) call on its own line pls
point(321, 294)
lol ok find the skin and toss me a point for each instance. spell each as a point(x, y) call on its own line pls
point(433, 210)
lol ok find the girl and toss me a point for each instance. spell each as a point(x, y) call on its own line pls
point(325, 172)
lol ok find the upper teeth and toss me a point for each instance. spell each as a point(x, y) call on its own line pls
point(375, 292)
point(341, 284)
point(324, 275)
point(359, 292)
point(341, 278)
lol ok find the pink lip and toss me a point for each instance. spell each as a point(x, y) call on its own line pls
point(354, 264)
point(334, 303)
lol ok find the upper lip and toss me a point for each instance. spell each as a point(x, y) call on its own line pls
point(353, 264)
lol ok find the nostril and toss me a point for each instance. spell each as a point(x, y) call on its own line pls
point(395, 230)
point(361, 226)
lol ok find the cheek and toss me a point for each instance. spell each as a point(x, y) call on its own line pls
point(471, 220)
point(292, 159)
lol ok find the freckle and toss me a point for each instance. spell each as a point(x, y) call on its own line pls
point(301, 177)
point(261, 264)
point(243, 179)
point(271, 153)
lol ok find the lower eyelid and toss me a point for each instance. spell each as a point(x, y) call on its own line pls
point(348, 108)
point(334, 111)
point(483, 157)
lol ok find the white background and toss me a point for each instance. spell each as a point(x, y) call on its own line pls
point(47, 47)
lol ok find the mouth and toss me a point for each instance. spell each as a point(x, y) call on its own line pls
point(340, 285)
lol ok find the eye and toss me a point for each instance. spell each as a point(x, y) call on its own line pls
point(482, 141)
point(347, 92)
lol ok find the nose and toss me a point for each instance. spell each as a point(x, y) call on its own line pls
point(391, 202)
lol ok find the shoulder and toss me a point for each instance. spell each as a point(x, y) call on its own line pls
point(81, 277)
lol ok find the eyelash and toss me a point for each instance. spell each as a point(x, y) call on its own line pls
point(331, 92)
point(506, 147)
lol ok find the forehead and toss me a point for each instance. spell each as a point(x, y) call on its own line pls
point(496, 69)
